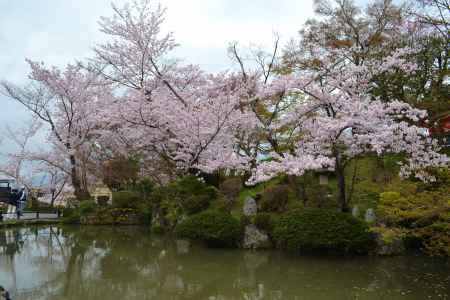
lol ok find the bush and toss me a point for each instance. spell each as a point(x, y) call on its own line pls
point(424, 215)
point(193, 194)
point(275, 199)
point(230, 188)
point(187, 195)
point(126, 199)
point(435, 239)
point(264, 221)
point(415, 210)
point(71, 216)
point(143, 186)
point(245, 220)
point(216, 229)
point(324, 230)
point(193, 204)
point(87, 207)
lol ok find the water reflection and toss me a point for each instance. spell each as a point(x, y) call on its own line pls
point(128, 263)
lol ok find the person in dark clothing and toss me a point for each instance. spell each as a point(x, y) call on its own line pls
point(4, 293)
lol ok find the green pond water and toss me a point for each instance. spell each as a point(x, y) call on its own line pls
point(106, 263)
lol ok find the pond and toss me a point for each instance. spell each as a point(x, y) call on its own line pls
point(107, 263)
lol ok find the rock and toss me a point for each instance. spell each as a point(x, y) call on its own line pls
point(250, 207)
point(391, 246)
point(255, 239)
point(370, 216)
point(355, 211)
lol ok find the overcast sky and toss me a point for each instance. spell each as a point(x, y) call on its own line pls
point(61, 31)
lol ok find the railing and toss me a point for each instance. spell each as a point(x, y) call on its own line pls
point(30, 215)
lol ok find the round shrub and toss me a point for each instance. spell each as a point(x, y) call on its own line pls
point(215, 228)
point(322, 230)
point(193, 204)
point(87, 207)
point(71, 216)
point(126, 199)
point(189, 193)
point(275, 199)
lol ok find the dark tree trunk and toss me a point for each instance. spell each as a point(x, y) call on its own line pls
point(340, 175)
point(80, 192)
point(299, 184)
point(52, 203)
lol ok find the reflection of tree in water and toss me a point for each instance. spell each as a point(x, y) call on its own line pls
point(11, 242)
point(128, 263)
point(35, 248)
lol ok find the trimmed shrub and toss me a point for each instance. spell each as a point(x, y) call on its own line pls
point(193, 194)
point(275, 199)
point(187, 195)
point(193, 204)
point(126, 199)
point(214, 228)
point(87, 207)
point(71, 216)
point(323, 230)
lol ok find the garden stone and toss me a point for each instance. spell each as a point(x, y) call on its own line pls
point(370, 216)
point(255, 239)
point(250, 207)
point(355, 211)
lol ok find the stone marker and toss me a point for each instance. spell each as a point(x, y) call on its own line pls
point(250, 207)
point(355, 211)
point(370, 216)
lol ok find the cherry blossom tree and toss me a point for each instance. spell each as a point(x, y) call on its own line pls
point(68, 102)
point(328, 99)
point(340, 118)
point(167, 112)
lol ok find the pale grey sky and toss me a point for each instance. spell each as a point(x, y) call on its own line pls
point(60, 31)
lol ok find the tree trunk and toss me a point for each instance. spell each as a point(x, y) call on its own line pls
point(52, 203)
point(340, 175)
point(80, 193)
point(300, 187)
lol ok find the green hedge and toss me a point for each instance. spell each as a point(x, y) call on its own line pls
point(71, 216)
point(322, 230)
point(126, 199)
point(87, 207)
point(215, 228)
